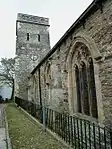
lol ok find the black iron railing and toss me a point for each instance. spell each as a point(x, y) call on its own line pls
point(79, 133)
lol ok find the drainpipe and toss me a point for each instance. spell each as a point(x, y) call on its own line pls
point(40, 88)
point(43, 107)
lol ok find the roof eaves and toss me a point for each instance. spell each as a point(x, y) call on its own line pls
point(82, 16)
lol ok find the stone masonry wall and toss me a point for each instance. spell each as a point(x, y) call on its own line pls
point(98, 28)
point(29, 51)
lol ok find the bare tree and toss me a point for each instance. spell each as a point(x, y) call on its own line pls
point(7, 71)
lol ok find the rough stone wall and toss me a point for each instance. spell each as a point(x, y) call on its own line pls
point(98, 28)
point(29, 51)
point(33, 89)
point(106, 83)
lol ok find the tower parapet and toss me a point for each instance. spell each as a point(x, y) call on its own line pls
point(32, 19)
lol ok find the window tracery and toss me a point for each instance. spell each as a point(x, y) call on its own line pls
point(85, 81)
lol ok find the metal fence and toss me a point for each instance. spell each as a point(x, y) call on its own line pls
point(79, 133)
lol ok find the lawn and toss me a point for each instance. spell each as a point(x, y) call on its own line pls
point(25, 134)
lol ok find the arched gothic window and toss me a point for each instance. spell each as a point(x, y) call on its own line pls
point(85, 82)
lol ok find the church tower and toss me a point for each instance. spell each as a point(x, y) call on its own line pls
point(32, 44)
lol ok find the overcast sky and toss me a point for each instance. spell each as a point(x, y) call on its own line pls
point(62, 14)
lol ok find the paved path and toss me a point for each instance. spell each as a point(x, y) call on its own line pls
point(2, 128)
point(2, 124)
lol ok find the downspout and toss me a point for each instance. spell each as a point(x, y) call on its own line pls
point(40, 88)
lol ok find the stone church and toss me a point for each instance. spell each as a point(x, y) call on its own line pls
point(75, 76)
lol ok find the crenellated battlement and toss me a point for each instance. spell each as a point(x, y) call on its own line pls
point(32, 19)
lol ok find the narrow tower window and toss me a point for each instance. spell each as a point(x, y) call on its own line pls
point(28, 35)
point(38, 36)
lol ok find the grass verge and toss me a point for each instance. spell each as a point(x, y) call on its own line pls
point(25, 134)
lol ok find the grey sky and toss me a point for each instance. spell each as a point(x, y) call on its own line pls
point(62, 13)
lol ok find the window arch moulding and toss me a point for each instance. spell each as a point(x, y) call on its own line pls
point(93, 52)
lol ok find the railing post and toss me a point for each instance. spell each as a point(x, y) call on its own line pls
point(111, 138)
point(71, 121)
point(78, 132)
point(89, 136)
point(99, 137)
point(74, 131)
point(105, 138)
point(81, 133)
point(94, 134)
point(85, 129)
